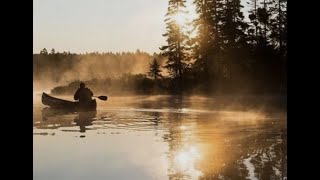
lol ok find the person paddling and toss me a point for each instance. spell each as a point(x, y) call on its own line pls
point(83, 94)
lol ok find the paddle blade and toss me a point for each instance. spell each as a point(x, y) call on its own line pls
point(104, 98)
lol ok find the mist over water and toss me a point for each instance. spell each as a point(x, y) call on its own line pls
point(160, 137)
point(59, 69)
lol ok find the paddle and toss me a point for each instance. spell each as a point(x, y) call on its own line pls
point(103, 98)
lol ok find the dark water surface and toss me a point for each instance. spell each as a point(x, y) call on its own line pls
point(162, 137)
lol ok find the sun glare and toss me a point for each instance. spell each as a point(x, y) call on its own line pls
point(185, 17)
point(186, 159)
point(181, 19)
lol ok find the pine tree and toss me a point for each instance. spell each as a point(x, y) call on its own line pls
point(279, 25)
point(176, 48)
point(207, 42)
point(254, 25)
point(44, 51)
point(234, 27)
point(154, 69)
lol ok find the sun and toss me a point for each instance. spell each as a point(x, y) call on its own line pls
point(180, 19)
point(185, 16)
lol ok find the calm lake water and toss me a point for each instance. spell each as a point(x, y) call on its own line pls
point(162, 137)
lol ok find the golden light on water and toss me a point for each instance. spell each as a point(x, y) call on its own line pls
point(208, 146)
point(186, 157)
point(183, 127)
point(185, 161)
point(194, 142)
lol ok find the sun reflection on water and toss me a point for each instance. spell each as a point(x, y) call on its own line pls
point(185, 161)
point(184, 141)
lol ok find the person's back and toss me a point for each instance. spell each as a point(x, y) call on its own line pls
point(83, 94)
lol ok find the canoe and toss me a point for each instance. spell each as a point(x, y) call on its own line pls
point(67, 105)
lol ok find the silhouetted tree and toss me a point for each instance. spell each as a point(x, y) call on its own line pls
point(176, 48)
point(279, 35)
point(253, 29)
point(263, 15)
point(235, 49)
point(154, 69)
point(207, 43)
point(279, 25)
point(44, 51)
point(52, 51)
point(233, 25)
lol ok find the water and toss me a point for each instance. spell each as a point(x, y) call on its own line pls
point(162, 137)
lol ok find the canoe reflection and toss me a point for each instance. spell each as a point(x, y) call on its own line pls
point(56, 118)
point(48, 113)
point(85, 119)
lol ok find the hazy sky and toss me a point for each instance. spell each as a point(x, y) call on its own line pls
point(81, 26)
point(98, 25)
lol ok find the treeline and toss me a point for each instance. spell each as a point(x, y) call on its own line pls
point(228, 53)
point(65, 67)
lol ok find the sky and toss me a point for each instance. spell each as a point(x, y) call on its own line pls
point(81, 26)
